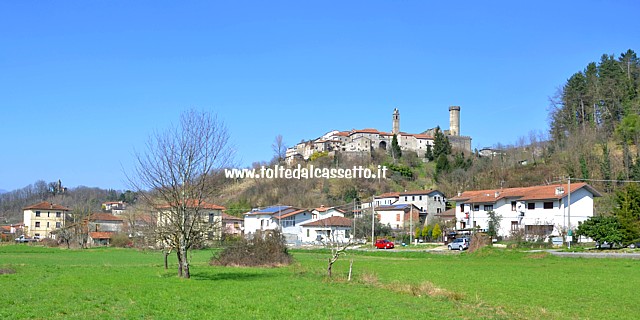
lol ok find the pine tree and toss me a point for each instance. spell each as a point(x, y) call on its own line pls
point(429, 153)
point(437, 232)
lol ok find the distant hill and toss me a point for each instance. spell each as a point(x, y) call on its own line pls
point(3, 191)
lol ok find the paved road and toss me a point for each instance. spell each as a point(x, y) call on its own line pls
point(596, 255)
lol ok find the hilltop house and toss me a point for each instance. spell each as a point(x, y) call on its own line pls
point(42, 218)
point(539, 211)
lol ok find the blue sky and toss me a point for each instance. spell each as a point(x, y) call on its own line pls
point(84, 83)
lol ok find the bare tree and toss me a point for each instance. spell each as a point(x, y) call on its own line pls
point(178, 174)
point(279, 148)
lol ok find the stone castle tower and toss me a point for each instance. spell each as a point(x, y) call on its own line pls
point(454, 120)
point(396, 121)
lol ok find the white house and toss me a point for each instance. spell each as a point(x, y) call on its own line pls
point(399, 216)
point(330, 229)
point(430, 203)
point(325, 212)
point(539, 211)
point(287, 218)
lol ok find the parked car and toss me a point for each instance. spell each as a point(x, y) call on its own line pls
point(384, 244)
point(459, 244)
point(23, 239)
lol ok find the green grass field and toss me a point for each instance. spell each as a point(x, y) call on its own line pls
point(107, 283)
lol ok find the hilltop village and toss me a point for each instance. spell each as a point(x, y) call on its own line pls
point(359, 141)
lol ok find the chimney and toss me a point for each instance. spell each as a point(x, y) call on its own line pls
point(497, 194)
point(559, 190)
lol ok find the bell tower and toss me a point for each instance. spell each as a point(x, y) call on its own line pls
point(396, 121)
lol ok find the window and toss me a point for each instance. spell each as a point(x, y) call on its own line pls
point(513, 206)
point(420, 198)
point(405, 198)
point(58, 225)
point(476, 207)
point(413, 198)
point(438, 210)
point(397, 217)
point(462, 225)
point(488, 207)
point(308, 233)
point(548, 205)
point(47, 224)
point(514, 225)
point(58, 214)
point(531, 206)
point(37, 213)
point(346, 234)
point(288, 222)
point(37, 224)
point(211, 217)
point(48, 214)
point(462, 207)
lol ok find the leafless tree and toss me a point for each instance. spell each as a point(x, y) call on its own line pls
point(178, 174)
point(279, 148)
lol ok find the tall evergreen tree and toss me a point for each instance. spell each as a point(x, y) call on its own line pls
point(396, 152)
point(441, 145)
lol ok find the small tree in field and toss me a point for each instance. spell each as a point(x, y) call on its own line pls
point(436, 232)
point(179, 172)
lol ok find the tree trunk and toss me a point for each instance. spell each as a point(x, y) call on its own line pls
point(183, 268)
point(350, 270)
point(329, 267)
point(166, 260)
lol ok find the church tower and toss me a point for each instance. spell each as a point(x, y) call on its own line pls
point(396, 121)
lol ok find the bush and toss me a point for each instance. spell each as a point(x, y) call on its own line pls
point(48, 242)
point(121, 240)
point(264, 249)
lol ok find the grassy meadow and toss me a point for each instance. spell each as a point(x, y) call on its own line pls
point(110, 283)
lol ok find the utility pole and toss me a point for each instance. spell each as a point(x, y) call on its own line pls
point(570, 234)
point(373, 219)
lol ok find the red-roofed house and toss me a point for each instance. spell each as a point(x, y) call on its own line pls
point(539, 211)
point(232, 225)
point(325, 212)
point(102, 227)
point(42, 218)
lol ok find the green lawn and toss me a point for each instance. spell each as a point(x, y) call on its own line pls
point(129, 284)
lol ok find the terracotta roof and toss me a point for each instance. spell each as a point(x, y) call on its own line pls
point(416, 192)
point(334, 221)
point(104, 217)
point(230, 217)
point(388, 195)
point(423, 136)
point(342, 133)
point(451, 213)
point(6, 228)
point(45, 205)
point(366, 130)
point(525, 193)
point(289, 214)
point(395, 207)
point(191, 203)
point(101, 235)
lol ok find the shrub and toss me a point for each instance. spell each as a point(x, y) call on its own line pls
point(121, 240)
point(264, 249)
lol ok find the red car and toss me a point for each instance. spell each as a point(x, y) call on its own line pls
point(384, 244)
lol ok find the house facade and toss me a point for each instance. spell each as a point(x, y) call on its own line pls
point(102, 227)
point(232, 225)
point(42, 218)
point(430, 203)
point(399, 216)
point(287, 218)
point(327, 230)
point(539, 211)
point(209, 215)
